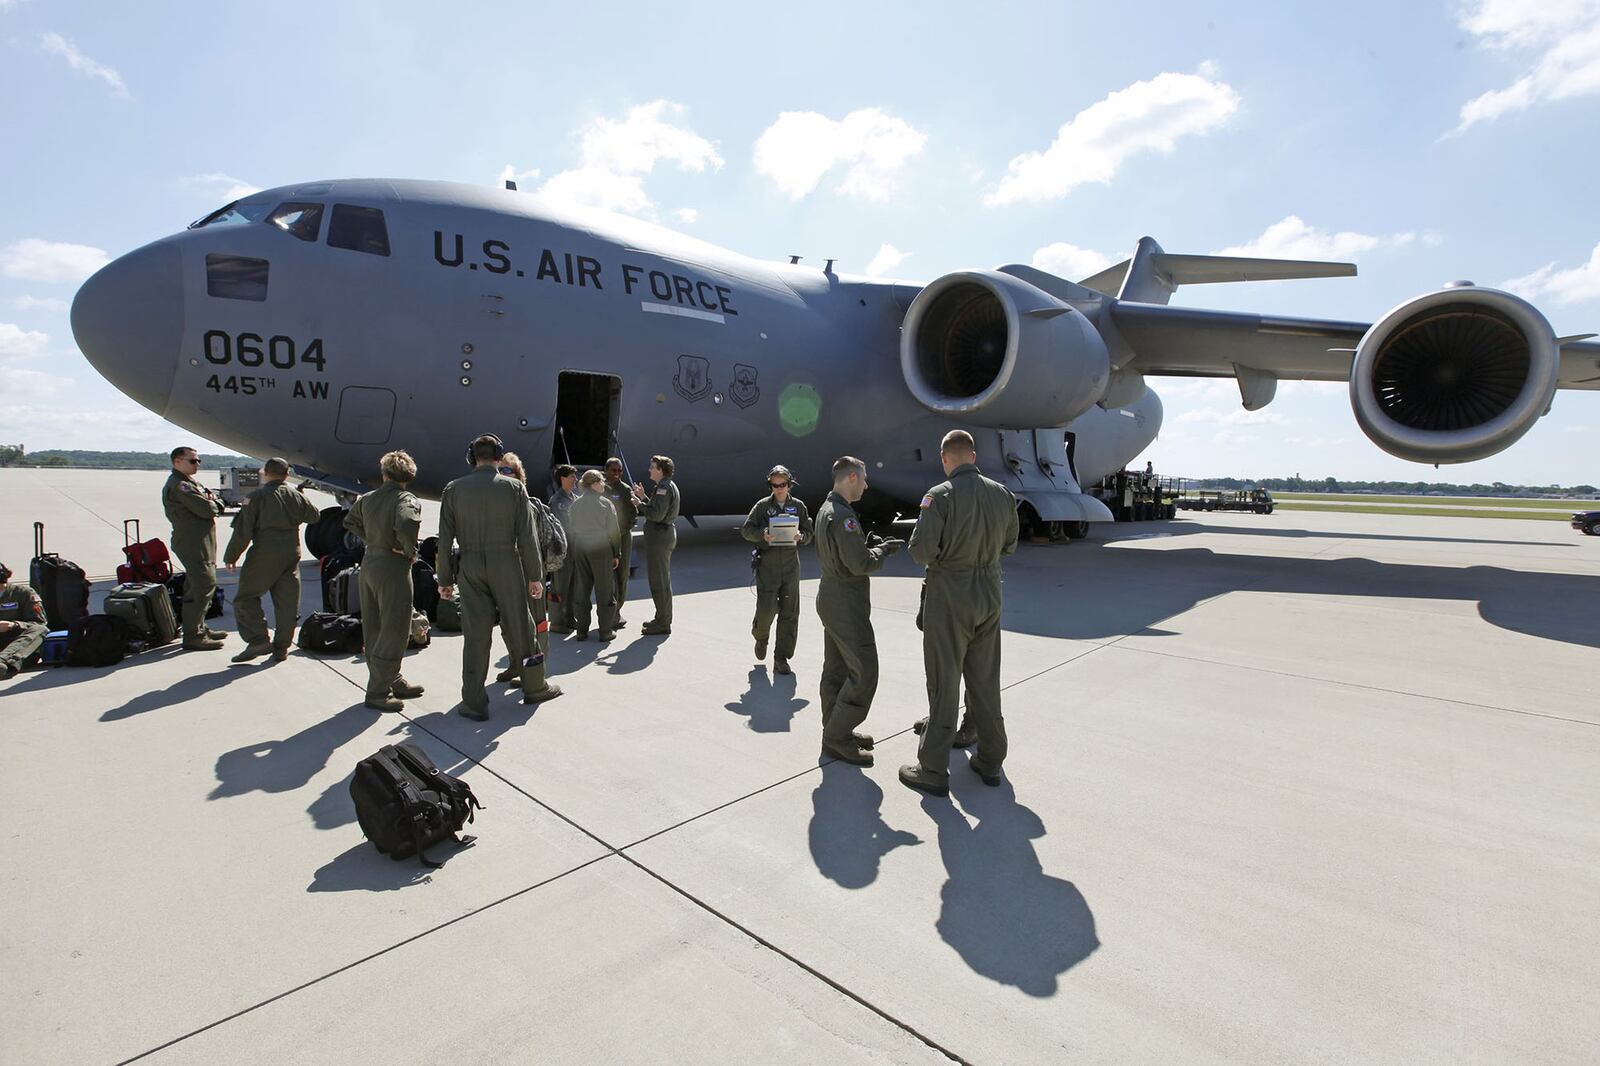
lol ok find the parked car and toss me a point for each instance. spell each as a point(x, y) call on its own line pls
point(1588, 521)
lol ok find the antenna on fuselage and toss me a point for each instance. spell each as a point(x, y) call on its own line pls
point(511, 185)
point(793, 259)
point(829, 268)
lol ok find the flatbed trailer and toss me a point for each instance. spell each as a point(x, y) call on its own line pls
point(1256, 501)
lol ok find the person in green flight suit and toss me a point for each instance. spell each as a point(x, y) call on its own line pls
point(538, 606)
point(22, 624)
point(388, 519)
point(561, 500)
point(661, 504)
point(192, 509)
point(621, 498)
point(777, 567)
point(596, 549)
point(965, 525)
point(269, 526)
point(500, 567)
point(844, 605)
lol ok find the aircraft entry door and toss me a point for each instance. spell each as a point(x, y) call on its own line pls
point(587, 409)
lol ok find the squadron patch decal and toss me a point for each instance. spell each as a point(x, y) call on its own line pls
point(927, 501)
point(850, 525)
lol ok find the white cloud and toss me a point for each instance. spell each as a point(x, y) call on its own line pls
point(1147, 116)
point(1563, 34)
point(1238, 416)
point(1293, 239)
point(619, 155)
point(32, 259)
point(19, 343)
point(888, 258)
point(1071, 262)
point(32, 386)
point(221, 186)
point(57, 45)
point(41, 303)
point(687, 215)
point(801, 147)
point(511, 173)
point(1576, 285)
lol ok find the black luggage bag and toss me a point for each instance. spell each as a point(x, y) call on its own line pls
point(406, 804)
point(61, 585)
point(325, 633)
point(147, 608)
point(175, 586)
point(98, 640)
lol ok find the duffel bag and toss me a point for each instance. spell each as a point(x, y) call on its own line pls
point(325, 633)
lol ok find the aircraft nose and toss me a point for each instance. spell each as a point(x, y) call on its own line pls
point(128, 322)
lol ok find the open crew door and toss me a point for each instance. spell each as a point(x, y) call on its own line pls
point(587, 409)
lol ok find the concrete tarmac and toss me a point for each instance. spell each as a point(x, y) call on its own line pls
point(1307, 787)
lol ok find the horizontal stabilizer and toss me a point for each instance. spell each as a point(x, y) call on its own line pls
point(1153, 275)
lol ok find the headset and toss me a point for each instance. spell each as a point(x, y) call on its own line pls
point(499, 448)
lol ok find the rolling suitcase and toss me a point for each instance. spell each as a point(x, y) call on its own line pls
point(345, 588)
point(146, 607)
point(148, 560)
point(61, 585)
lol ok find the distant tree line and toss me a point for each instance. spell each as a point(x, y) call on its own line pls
point(1391, 488)
point(17, 455)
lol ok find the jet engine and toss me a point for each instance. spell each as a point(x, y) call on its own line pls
point(1455, 375)
point(998, 352)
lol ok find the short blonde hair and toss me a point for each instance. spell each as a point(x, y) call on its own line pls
point(398, 466)
point(958, 442)
point(514, 461)
point(591, 477)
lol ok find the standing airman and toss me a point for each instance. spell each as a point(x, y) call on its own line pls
point(269, 526)
point(844, 604)
point(777, 567)
point(661, 504)
point(192, 509)
point(621, 498)
point(538, 606)
point(561, 500)
point(596, 549)
point(500, 568)
point(965, 525)
point(388, 519)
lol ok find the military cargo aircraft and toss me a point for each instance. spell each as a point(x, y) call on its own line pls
point(332, 321)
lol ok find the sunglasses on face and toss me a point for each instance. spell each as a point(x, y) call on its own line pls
point(778, 484)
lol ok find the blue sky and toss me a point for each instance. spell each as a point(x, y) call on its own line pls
point(1427, 141)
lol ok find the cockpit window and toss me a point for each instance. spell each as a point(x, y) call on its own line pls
point(360, 229)
point(236, 277)
point(235, 214)
point(298, 220)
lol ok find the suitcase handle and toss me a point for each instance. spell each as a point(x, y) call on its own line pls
point(126, 540)
point(38, 539)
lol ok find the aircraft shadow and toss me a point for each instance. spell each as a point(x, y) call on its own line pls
point(1007, 919)
point(770, 702)
point(1105, 593)
point(847, 833)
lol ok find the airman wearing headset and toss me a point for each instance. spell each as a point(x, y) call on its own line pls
point(486, 513)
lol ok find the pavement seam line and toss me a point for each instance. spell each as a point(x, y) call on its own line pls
point(364, 959)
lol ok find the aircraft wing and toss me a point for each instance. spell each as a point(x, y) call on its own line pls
point(1193, 342)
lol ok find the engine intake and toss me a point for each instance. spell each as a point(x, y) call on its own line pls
point(1453, 376)
point(1000, 353)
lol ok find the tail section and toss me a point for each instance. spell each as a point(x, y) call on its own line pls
point(1152, 275)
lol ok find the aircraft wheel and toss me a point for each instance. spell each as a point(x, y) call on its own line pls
point(1076, 530)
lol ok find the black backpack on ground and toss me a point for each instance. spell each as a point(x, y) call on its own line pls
point(424, 589)
point(98, 640)
point(175, 585)
point(324, 633)
point(406, 804)
point(61, 585)
point(326, 532)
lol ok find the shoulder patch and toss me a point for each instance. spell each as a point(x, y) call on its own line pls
point(927, 501)
point(851, 525)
